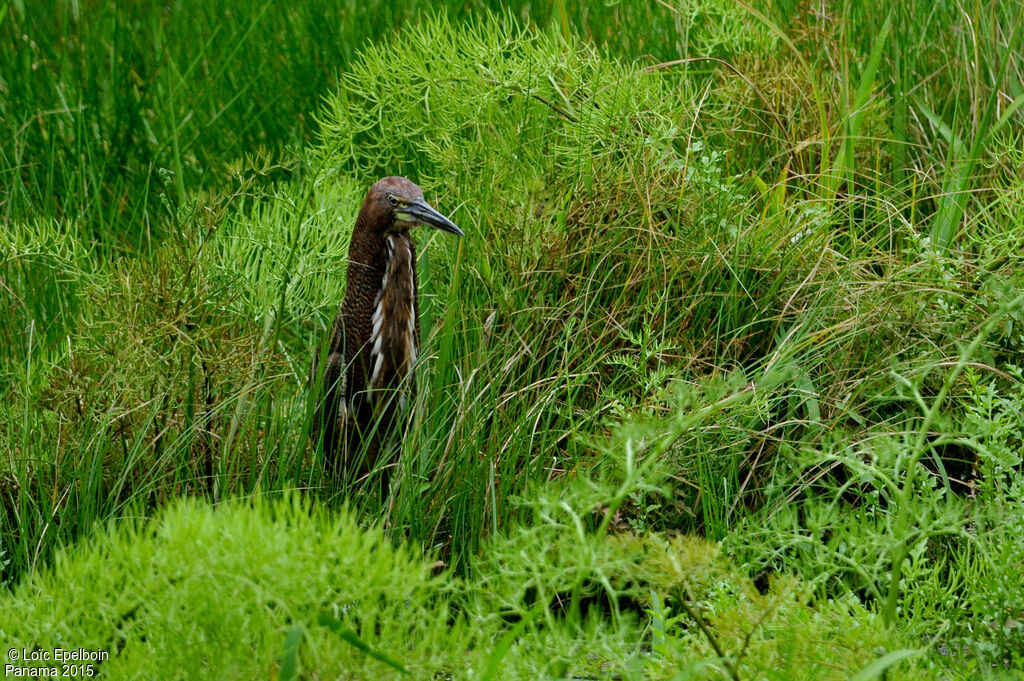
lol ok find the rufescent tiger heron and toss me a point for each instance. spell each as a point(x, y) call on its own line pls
point(367, 382)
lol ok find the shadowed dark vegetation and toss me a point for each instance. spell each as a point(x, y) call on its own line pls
point(752, 274)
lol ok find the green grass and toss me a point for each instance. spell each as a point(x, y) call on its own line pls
point(229, 591)
point(726, 367)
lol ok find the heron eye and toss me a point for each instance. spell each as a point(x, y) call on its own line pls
point(392, 200)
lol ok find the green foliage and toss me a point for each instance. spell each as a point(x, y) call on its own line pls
point(52, 261)
point(262, 588)
point(515, 115)
point(212, 591)
point(721, 29)
point(870, 503)
point(102, 102)
point(283, 243)
point(750, 271)
point(160, 382)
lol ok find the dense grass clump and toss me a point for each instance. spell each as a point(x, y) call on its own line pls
point(226, 584)
point(723, 381)
point(115, 113)
point(254, 590)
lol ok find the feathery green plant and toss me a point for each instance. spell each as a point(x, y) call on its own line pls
point(744, 199)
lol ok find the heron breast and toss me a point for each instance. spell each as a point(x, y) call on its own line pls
point(393, 339)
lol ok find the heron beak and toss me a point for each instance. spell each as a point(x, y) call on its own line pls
point(422, 213)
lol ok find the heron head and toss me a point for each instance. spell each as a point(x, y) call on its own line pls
point(395, 204)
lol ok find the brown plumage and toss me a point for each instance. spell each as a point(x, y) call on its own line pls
point(367, 381)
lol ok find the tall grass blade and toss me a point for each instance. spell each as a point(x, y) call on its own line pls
point(957, 187)
point(877, 668)
point(289, 669)
point(350, 637)
point(500, 650)
point(844, 170)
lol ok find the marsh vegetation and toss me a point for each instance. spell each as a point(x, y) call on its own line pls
point(724, 380)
